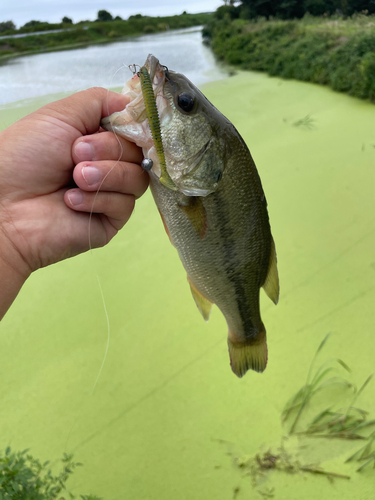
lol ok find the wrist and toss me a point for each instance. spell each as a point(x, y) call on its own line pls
point(13, 274)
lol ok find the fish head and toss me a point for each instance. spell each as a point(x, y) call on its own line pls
point(193, 131)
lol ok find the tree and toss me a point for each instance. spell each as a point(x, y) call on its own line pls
point(360, 6)
point(32, 23)
point(67, 20)
point(289, 9)
point(104, 15)
point(118, 18)
point(7, 25)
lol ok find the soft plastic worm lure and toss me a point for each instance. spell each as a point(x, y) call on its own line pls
point(153, 120)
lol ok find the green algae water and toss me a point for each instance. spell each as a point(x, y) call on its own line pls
point(168, 419)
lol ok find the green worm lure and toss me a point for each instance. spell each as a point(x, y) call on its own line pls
point(153, 120)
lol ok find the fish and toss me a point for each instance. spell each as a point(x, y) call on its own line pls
point(211, 201)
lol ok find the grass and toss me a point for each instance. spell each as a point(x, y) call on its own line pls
point(349, 422)
point(258, 466)
point(314, 384)
point(346, 423)
point(365, 454)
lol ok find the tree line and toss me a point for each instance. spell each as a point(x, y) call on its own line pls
point(295, 9)
point(102, 16)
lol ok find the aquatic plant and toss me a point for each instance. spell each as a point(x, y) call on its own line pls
point(348, 422)
point(365, 454)
point(284, 461)
point(314, 383)
point(305, 122)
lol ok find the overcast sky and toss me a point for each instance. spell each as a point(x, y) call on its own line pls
point(22, 11)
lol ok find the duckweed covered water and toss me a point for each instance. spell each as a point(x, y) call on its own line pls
point(168, 419)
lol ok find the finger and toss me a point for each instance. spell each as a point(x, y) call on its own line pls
point(116, 207)
point(105, 146)
point(111, 176)
point(85, 109)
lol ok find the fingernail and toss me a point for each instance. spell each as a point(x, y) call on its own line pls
point(84, 151)
point(91, 175)
point(75, 197)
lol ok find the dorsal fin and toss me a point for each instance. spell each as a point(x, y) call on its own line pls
point(271, 284)
point(204, 305)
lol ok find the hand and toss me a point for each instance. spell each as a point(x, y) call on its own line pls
point(43, 219)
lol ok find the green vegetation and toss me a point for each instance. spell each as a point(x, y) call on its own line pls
point(327, 50)
point(23, 477)
point(251, 9)
point(345, 423)
point(335, 422)
point(104, 29)
point(104, 15)
point(7, 26)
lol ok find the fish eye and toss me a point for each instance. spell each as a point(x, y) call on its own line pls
point(185, 101)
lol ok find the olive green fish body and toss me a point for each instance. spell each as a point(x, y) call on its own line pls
point(229, 264)
point(214, 210)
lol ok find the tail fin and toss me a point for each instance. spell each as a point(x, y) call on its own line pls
point(248, 355)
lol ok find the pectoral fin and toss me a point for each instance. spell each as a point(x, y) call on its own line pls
point(196, 212)
point(203, 304)
point(271, 285)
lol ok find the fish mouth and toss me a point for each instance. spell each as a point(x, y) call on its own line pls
point(134, 111)
point(153, 66)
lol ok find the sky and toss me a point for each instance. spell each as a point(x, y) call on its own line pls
point(22, 11)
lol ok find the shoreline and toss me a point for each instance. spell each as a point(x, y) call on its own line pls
point(96, 33)
point(82, 45)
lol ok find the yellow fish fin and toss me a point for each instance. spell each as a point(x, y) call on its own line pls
point(248, 355)
point(197, 215)
point(204, 305)
point(271, 285)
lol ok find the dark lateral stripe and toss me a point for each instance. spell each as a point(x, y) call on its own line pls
point(233, 265)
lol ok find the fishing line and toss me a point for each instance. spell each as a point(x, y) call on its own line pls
point(94, 263)
point(90, 242)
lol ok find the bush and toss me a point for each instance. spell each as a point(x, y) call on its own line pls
point(23, 477)
point(308, 50)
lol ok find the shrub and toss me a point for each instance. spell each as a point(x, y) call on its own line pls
point(23, 477)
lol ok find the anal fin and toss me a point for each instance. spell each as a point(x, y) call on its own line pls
point(204, 305)
point(271, 285)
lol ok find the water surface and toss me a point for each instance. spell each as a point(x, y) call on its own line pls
point(167, 416)
point(105, 65)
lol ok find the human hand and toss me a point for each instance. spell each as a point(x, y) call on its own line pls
point(42, 220)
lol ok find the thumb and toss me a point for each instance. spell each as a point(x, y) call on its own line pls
point(84, 110)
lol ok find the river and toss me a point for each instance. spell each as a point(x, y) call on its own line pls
point(105, 65)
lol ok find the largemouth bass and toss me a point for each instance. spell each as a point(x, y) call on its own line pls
point(213, 206)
